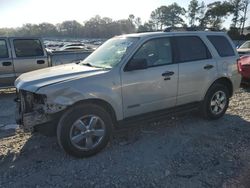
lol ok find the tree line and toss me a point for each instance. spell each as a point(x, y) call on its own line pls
point(197, 15)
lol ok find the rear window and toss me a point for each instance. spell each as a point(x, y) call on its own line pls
point(3, 49)
point(222, 45)
point(28, 48)
point(190, 48)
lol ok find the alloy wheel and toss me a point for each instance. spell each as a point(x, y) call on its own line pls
point(87, 132)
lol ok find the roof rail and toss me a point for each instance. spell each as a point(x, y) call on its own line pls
point(172, 29)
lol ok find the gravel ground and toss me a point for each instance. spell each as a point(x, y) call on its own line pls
point(183, 151)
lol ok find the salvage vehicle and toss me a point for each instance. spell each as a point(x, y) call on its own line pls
point(130, 78)
point(19, 55)
point(244, 68)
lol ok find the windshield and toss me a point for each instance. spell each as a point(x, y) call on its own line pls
point(110, 53)
point(245, 45)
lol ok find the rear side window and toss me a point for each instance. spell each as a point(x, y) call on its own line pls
point(28, 48)
point(3, 49)
point(222, 45)
point(190, 48)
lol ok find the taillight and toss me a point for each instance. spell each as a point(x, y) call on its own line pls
point(239, 65)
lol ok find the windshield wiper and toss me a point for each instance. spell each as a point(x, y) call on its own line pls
point(88, 64)
point(91, 65)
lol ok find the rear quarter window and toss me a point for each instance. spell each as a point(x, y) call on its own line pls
point(222, 45)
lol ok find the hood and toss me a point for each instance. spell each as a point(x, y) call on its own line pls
point(34, 80)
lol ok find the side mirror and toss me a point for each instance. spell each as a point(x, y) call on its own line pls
point(136, 64)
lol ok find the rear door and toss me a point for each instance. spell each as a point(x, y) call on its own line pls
point(197, 68)
point(7, 75)
point(28, 55)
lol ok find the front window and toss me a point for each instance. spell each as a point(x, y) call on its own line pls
point(110, 53)
point(156, 52)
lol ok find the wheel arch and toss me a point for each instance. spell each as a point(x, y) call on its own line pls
point(224, 81)
point(100, 102)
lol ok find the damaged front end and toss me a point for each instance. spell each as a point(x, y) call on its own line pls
point(32, 109)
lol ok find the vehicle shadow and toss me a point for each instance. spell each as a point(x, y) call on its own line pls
point(7, 112)
point(190, 148)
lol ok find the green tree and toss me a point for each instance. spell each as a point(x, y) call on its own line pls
point(136, 21)
point(8, 32)
point(158, 18)
point(215, 14)
point(237, 9)
point(195, 11)
point(174, 15)
point(167, 16)
point(146, 27)
point(98, 27)
point(193, 8)
point(47, 30)
point(70, 28)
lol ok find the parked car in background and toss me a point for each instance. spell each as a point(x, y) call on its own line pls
point(72, 48)
point(244, 48)
point(74, 44)
point(129, 78)
point(20, 55)
point(244, 68)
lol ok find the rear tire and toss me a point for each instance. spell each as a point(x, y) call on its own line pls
point(215, 102)
point(84, 130)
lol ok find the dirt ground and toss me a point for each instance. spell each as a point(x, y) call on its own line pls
point(182, 151)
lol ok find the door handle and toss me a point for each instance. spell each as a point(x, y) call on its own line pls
point(207, 67)
point(40, 62)
point(8, 63)
point(167, 73)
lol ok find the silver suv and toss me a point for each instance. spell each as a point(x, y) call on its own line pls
point(129, 78)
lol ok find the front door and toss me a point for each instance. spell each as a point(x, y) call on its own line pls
point(7, 75)
point(154, 87)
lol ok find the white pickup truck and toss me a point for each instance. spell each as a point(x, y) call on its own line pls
point(20, 55)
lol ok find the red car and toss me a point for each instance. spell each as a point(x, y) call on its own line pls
point(244, 67)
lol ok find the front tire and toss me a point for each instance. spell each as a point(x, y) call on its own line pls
point(216, 102)
point(84, 130)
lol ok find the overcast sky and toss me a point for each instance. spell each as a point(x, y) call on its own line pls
point(15, 13)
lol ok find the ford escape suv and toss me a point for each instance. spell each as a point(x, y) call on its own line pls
point(129, 78)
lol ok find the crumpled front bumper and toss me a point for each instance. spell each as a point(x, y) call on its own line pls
point(28, 117)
